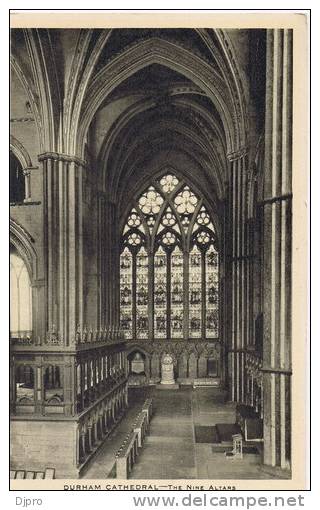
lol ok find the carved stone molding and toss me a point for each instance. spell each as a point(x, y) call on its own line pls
point(241, 153)
point(22, 119)
point(23, 242)
point(67, 158)
point(178, 348)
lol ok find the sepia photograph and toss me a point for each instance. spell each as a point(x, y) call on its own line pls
point(157, 229)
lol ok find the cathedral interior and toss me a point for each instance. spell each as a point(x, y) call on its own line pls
point(150, 252)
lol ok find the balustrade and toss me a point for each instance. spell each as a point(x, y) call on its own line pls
point(107, 334)
point(46, 383)
point(21, 338)
point(83, 336)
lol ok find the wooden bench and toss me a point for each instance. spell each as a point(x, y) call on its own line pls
point(129, 450)
point(126, 456)
point(148, 408)
point(141, 427)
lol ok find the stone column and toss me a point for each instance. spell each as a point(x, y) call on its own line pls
point(238, 257)
point(27, 182)
point(151, 297)
point(27, 173)
point(89, 429)
point(108, 299)
point(226, 297)
point(39, 392)
point(95, 429)
point(126, 396)
point(82, 376)
point(277, 250)
point(63, 186)
point(102, 312)
point(105, 421)
point(70, 385)
point(82, 450)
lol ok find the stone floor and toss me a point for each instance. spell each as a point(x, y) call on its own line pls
point(170, 450)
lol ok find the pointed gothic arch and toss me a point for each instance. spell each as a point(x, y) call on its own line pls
point(169, 264)
point(24, 244)
point(217, 166)
point(160, 51)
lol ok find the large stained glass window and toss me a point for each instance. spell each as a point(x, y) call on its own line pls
point(176, 311)
point(126, 292)
point(176, 295)
point(160, 293)
point(142, 293)
point(195, 294)
point(212, 282)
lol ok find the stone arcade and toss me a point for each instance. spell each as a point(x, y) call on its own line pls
point(150, 232)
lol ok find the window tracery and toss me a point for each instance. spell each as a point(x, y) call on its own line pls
point(168, 183)
point(169, 274)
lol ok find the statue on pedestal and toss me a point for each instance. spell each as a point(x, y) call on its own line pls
point(167, 376)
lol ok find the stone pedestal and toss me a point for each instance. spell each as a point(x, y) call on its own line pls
point(167, 377)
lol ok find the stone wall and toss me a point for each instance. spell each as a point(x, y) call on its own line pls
point(36, 445)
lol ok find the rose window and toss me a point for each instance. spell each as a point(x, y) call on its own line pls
point(151, 201)
point(186, 201)
point(168, 183)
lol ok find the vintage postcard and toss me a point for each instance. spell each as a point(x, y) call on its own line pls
point(158, 250)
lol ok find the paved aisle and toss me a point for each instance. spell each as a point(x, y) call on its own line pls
point(170, 451)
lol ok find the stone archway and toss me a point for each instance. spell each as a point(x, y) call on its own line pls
point(138, 367)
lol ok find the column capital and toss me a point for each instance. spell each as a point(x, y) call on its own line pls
point(276, 199)
point(67, 158)
point(27, 170)
point(238, 154)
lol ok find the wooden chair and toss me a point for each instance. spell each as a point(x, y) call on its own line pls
point(237, 445)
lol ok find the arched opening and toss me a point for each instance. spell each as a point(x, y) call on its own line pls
point(169, 265)
point(17, 180)
point(53, 385)
point(137, 368)
point(20, 297)
point(24, 379)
